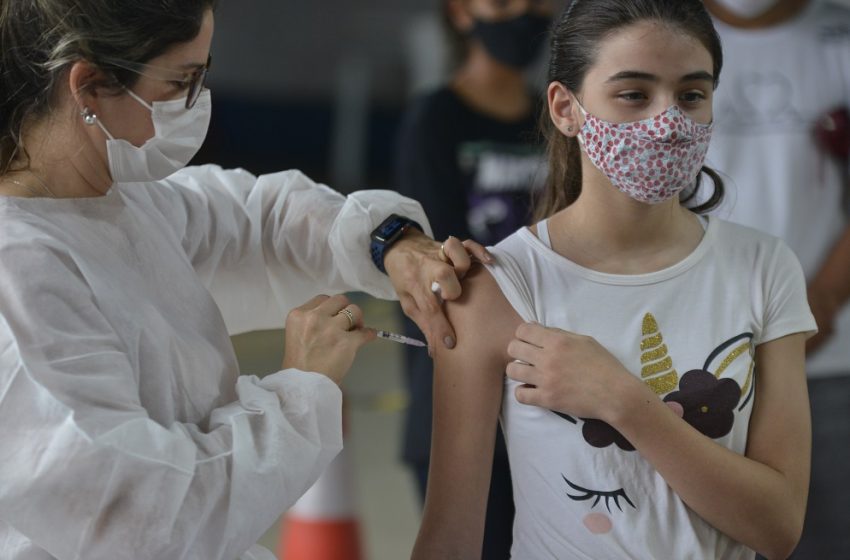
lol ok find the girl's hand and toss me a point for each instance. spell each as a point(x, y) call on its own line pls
point(566, 372)
point(416, 266)
point(322, 337)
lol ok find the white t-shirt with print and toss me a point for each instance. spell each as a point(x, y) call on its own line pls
point(689, 331)
point(775, 85)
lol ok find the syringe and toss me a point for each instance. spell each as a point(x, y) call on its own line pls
point(401, 339)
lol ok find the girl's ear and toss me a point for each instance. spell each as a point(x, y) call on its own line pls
point(563, 109)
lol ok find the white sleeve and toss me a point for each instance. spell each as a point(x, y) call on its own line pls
point(264, 245)
point(785, 303)
point(86, 473)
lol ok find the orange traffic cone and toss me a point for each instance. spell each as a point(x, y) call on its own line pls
point(322, 525)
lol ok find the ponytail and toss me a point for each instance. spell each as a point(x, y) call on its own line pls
point(563, 183)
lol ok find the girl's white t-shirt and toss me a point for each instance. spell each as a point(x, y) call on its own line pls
point(689, 331)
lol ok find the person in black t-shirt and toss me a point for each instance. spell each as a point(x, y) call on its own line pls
point(470, 154)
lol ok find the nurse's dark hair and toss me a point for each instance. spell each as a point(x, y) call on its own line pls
point(41, 39)
point(574, 45)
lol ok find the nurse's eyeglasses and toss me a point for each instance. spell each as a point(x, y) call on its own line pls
point(193, 81)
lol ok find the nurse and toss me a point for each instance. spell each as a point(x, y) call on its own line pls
point(126, 428)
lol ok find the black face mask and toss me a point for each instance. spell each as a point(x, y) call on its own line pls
point(514, 42)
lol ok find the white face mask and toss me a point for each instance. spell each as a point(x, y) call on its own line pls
point(748, 8)
point(178, 135)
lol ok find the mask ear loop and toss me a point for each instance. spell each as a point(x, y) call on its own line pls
point(584, 114)
point(132, 94)
point(580, 106)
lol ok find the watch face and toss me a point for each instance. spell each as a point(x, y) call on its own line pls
point(386, 234)
point(389, 229)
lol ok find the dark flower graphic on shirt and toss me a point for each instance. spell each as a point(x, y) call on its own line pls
point(601, 434)
point(708, 403)
point(598, 433)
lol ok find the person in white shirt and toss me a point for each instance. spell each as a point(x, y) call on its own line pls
point(125, 428)
point(646, 361)
point(777, 142)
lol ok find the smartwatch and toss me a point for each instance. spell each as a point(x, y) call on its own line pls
point(386, 234)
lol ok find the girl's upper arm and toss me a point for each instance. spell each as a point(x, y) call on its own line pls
point(468, 384)
point(780, 426)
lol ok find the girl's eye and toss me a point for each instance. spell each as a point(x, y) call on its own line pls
point(632, 96)
point(693, 97)
point(181, 84)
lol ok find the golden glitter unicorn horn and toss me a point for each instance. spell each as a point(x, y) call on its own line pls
point(657, 366)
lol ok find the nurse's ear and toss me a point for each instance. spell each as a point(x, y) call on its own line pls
point(563, 109)
point(87, 84)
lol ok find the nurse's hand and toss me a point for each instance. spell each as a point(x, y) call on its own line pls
point(416, 266)
point(323, 336)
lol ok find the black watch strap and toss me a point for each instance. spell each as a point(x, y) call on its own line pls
point(385, 235)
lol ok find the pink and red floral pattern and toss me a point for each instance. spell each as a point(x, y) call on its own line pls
point(650, 160)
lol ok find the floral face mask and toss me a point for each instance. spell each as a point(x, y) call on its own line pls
point(651, 160)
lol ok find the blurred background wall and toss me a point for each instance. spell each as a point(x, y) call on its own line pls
point(318, 86)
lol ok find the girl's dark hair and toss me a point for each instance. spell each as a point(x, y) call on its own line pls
point(41, 39)
point(575, 42)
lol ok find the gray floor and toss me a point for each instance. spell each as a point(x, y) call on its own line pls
point(374, 389)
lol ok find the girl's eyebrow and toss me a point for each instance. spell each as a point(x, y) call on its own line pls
point(702, 75)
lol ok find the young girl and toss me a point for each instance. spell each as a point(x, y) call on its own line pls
point(655, 401)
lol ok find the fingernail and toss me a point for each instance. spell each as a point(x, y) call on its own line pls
point(430, 352)
point(488, 258)
point(449, 342)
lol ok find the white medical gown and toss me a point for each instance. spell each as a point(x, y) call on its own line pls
point(125, 429)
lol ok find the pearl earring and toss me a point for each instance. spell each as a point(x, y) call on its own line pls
point(88, 117)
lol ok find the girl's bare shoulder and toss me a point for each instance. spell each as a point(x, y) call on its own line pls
point(483, 319)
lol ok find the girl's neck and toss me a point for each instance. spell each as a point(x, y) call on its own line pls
point(607, 231)
point(491, 87)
